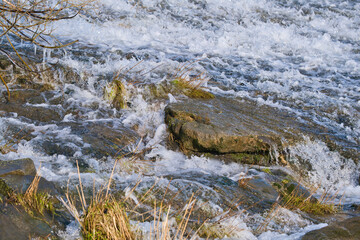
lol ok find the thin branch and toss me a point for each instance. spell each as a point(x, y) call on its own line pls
point(7, 88)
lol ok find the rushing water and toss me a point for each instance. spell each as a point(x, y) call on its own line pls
point(301, 56)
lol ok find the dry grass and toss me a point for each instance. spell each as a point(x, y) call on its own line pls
point(107, 217)
point(244, 180)
point(164, 226)
point(295, 198)
point(190, 83)
point(32, 201)
point(292, 198)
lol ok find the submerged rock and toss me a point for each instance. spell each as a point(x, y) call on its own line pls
point(103, 139)
point(214, 194)
point(31, 104)
point(41, 114)
point(348, 229)
point(229, 127)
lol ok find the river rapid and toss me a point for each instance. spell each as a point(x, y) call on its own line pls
point(300, 56)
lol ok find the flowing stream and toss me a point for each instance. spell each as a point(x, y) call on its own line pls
point(301, 56)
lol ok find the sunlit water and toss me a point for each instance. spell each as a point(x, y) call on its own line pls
point(301, 56)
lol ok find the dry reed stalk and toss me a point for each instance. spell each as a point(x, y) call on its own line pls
point(33, 202)
point(191, 84)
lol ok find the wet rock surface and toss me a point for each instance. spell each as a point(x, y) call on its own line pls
point(347, 229)
point(19, 167)
point(21, 183)
point(16, 224)
point(18, 221)
point(228, 126)
point(36, 113)
point(255, 194)
point(96, 139)
point(31, 104)
point(106, 140)
point(17, 175)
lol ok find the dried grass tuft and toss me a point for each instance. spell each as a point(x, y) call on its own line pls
point(107, 217)
point(32, 201)
point(191, 85)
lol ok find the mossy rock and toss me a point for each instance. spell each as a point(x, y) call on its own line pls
point(115, 93)
point(175, 88)
point(215, 127)
point(5, 190)
point(235, 129)
point(191, 91)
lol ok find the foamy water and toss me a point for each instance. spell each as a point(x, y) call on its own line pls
point(300, 56)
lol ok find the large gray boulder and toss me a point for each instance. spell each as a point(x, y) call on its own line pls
point(230, 127)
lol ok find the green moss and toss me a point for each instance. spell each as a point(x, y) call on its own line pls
point(115, 93)
point(199, 93)
point(213, 231)
point(291, 199)
point(250, 158)
point(89, 170)
point(267, 170)
point(5, 190)
point(192, 92)
point(36, 203)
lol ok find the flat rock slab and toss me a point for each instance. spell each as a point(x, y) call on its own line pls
point(345, 230)
point(108, 141)
point(104, 139)
point(19, 167)
point(36, 113)
point(228, 126)
point(32, 104)
point(96, 139)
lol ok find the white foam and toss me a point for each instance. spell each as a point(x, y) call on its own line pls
point(295, 236)
point(302, 56)
point(329, 169)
